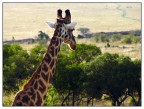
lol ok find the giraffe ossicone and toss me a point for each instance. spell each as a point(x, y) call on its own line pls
point(35, 90)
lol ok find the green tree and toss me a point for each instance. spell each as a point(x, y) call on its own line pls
point(127, 39)
point(69, 82)
point(113, 75)
point(43, 35)
point(99, 74)
point(84, 53)
point(52, 97)
point(15, 66)
point(101, 37)
point(134, 85)
point(84, 30)
point(116, 37)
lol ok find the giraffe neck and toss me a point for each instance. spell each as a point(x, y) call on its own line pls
point(42, 77)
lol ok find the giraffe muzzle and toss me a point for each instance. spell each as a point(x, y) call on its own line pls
point(72, 46)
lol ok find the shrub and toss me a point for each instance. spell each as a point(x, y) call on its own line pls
point(15, 67)
point(129, 39)
point(101, 37)
point(116, 37)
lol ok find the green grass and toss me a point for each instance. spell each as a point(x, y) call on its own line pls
point(8, 99)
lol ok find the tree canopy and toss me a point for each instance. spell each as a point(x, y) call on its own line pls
point(82, 74)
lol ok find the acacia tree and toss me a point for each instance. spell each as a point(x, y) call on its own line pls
point(43, 35)
point(112, 75)
point(84, 30)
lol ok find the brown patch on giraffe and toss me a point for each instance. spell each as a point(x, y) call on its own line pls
point(30, 93)
point(32, 90)
point(57, 42)
point(52, 42)
point(65, 32)
point(33, 97)
point(31, 103)
point(35, 85)
point(52, 64)
point(23, 92)
point(39, 100)
point(66, 36)
point(19, 104)
point(45, 77)
point(52, 51)
point(60, 28)
point(25, 99)
point(47, 58)
point(18, 97)
point(45, 67)
point(38, 75)
point(32, 82)
point(55, 33)
point(43, 87)
point(56, 51)
point(54, 39)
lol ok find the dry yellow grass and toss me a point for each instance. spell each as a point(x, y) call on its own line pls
point(134, 51)
point(24, 20)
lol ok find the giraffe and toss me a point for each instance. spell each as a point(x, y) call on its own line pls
point(34, 91)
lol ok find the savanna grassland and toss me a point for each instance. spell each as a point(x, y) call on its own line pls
point(24, 20)
point(96, 68)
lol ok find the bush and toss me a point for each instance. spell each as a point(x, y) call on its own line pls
point(129, 39)
point(116, 37)
point(18, 64)
point(102, 37)
point(83, 73)
point(51, 97)
point(84, 53)
point(113, 75)
point(15, 67)
point(136, 39)
point(43, 35)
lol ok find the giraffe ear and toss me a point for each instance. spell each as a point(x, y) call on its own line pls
point(52, 25)
point(71, 25)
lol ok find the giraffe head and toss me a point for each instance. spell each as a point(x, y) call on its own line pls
point(64, 28)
